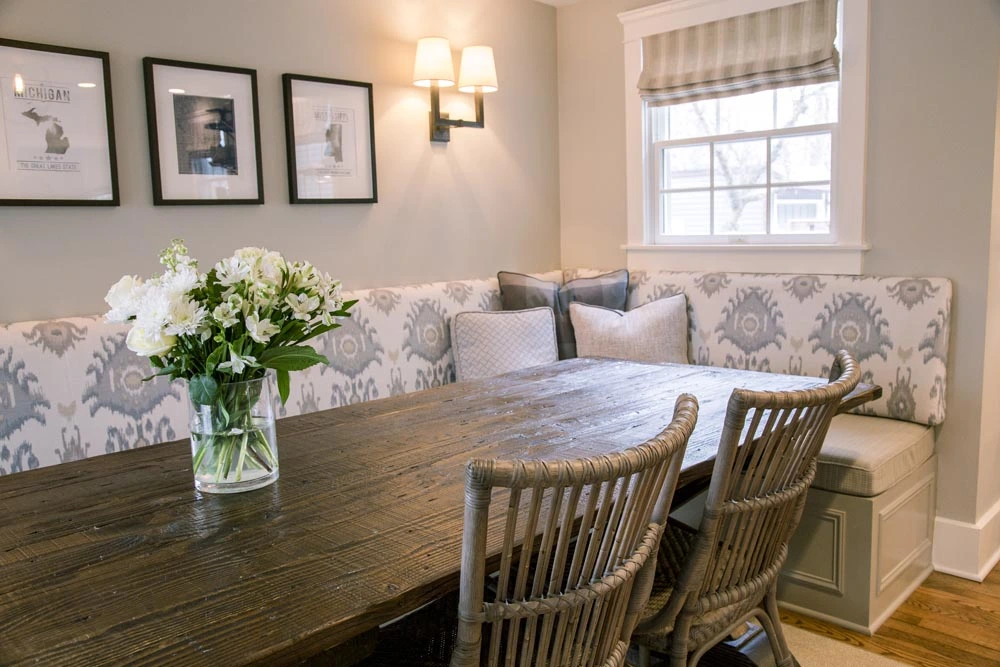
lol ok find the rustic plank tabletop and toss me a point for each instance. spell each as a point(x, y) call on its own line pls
point(117, 560)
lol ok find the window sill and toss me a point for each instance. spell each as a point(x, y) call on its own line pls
point(754, 258)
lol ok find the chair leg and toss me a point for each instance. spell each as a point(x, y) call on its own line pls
point(771, 620)
point(679, 641)
point(700, 653)
point(645, 660)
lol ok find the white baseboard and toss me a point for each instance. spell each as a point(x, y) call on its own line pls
point(968, 550)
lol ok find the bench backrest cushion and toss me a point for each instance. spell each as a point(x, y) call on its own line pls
point(397, 340)
point(70, 389)
point(896, 327)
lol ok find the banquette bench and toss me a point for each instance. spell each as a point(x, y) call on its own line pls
point(70, 389)
point(865, 540)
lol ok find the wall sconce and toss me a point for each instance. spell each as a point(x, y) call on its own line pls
point(434, 69)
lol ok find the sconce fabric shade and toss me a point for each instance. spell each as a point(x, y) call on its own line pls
point(433, 63)
point(478, 72)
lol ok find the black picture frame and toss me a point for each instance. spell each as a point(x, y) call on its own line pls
point(295, 193)
point(160, 198)
point(105, 68)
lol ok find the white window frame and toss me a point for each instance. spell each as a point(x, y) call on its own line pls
point(840, 252)
point(654, 188)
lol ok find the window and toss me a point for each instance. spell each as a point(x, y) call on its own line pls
point(816, 223)
point(750, 167)
point(815, 214)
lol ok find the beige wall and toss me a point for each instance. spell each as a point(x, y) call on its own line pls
point(989, 435)
point(933, 104)
point(484, 202)
point(591, 132)
point(932, 125)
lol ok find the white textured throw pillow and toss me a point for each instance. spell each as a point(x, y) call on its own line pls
point(655, 333)
point(494, 342)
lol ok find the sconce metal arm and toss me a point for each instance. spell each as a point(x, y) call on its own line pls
point(441, 124)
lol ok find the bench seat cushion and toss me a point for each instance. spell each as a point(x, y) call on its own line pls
point(864, 456)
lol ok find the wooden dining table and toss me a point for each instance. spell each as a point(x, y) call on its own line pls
point(118, 560)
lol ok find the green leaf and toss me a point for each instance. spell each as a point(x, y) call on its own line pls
point(203, 389)
point(214, 359)
point(291, 358)
point(319, 331)
point(284, 387)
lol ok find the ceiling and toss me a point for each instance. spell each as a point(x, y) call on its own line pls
point(558, 3)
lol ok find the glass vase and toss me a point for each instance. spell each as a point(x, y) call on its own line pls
point(233, 443)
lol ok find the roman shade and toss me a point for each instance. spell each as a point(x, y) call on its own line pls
point(786, 46)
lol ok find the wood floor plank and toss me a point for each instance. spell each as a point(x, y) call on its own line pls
point(948, 614)
point(990, 587)
point(947, 622)
point(943, 641)
point(953, 650)
point(982, 593)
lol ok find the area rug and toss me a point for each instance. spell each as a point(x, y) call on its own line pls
point(813, 650)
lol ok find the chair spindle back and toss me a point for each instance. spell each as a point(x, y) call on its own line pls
point(575, 535)
point(766, 463)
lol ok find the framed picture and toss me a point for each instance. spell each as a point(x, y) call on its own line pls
point(330, 139)
point(57, 130)
point(204, 133)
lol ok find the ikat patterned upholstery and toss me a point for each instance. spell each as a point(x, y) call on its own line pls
point(896, 327)
point(70, 389)
point(486, 344)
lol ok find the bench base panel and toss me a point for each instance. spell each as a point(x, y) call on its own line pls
point(853, 561)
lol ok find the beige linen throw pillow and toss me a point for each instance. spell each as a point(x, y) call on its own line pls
point(653, 333)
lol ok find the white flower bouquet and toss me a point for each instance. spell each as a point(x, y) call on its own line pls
point(249, 314)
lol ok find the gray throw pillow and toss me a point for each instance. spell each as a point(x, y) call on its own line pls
point(654, 333)
point(495, 342)
point(519, 291)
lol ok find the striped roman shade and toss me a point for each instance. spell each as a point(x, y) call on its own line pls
point(785, 46)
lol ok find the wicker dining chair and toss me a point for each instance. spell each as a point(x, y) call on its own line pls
point(711, 580)
point(575, 534)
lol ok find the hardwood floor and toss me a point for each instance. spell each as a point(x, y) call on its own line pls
point(947, 622)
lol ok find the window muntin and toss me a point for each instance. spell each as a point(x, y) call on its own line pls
point(756, 166)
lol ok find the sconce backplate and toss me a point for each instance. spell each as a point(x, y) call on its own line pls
point(440, 132)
